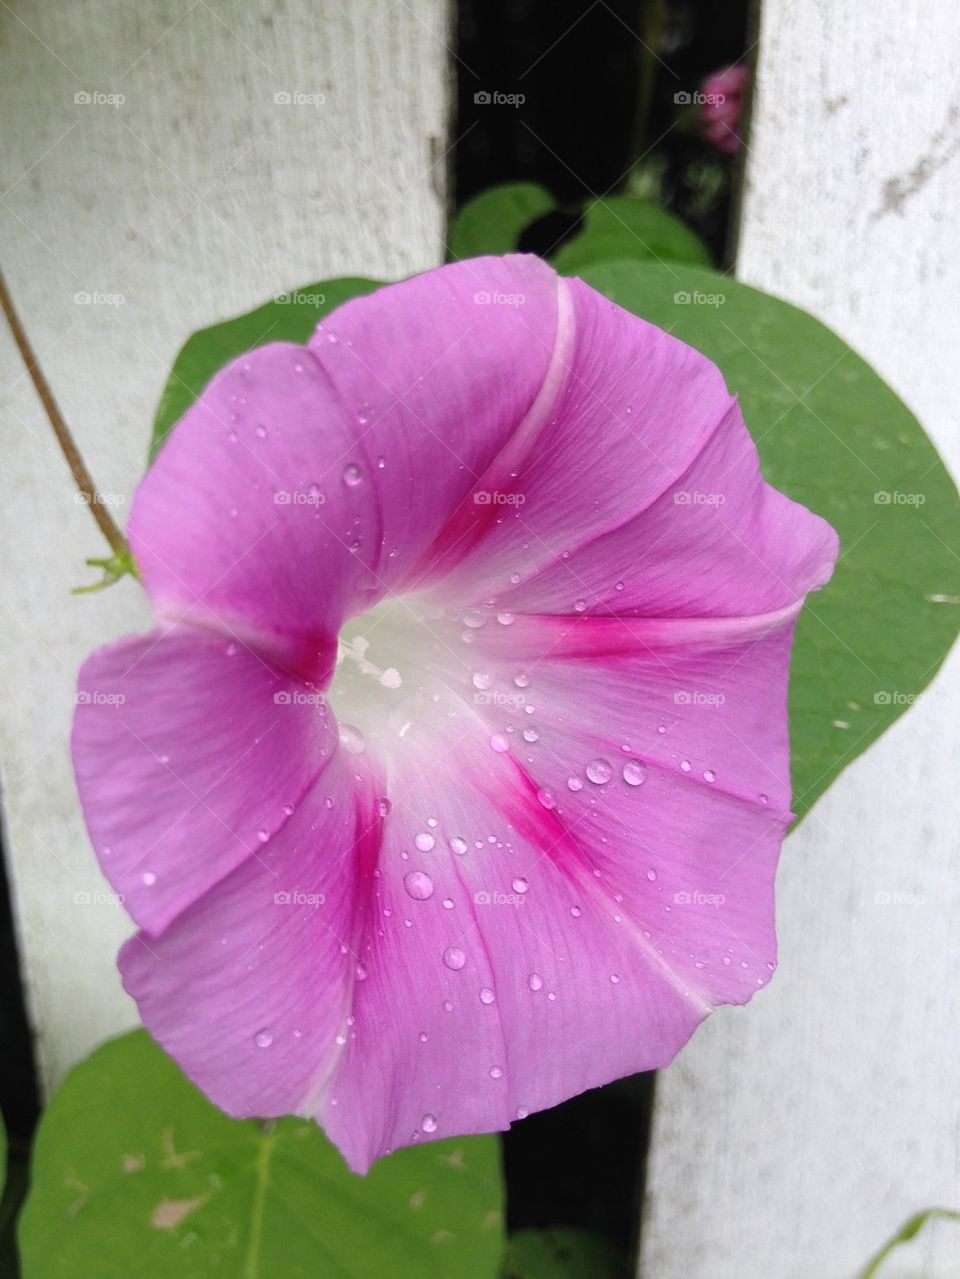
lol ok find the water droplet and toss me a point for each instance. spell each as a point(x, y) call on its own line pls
point(575, 783)
point(361, 972)
point(419, 886)
point(383, 806)
point(619, 586)
point(458, 845)
point(482, 679)
point(149, 878)
point(496, 1072)
point(288, 810)
point(614, 978)
point(580, 606)
point(576, 912)
point(448, 903)
point(515, 578)
point(522, 1112)
point(634, 772)
point(454, 958)
point(260, 432)
point(429, 1123)
point(425, 841)
point(547, 798)
point(506, 619)
point(352, 740)
point(263, 836)
point(599, 771)
point(531, 735)
point(499, 743)
point(522, 680)
point(709, 775)
point(520, 885)
point(685, 765)
point(651, 875)
point(352, 475)
point(535, 981)
point(263, 1038)
point(487, 996)
point(764, 799)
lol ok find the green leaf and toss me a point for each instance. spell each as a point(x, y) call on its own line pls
point(561, 1254)
point(832, 435)
point(289, 317)
point(621, 227)
point(493, 221)
point(909, 1230)
point(136, 1173)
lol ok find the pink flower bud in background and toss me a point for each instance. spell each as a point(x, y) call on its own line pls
point(722, 103)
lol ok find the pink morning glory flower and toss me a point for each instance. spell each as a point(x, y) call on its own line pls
point(453, 777)
point(723, 93)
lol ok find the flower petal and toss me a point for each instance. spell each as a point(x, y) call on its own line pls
point(307, 481)
point(250, 989)
point(643, 492)
point(529, 941)
point(187, 750)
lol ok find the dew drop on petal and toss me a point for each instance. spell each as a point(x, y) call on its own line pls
point(531, 735)
point(149, 878)
point(634, 772)
point(521, 680)
point(580, 606)
point(522, 1112)
point(576, 912)
point(496, 1072)
point(263, 836)
point(709, 775)
point(482, 679)
point(499, 743)
point(487, 996)
point(685, 765)
point(424, 841)
point(263, 1038)
point(383, 806)
point(651, 875)
point(361, 972)
point(429, 1123)
point(614, 978)
point(454, 958)
point(352, 739)
point(419, 886)
point(535, 981)
point(506, 619)
point(599, 771)
point(458, 845)
point(575, 783)
point(448, 903)
point(547, 798)
point(520, 885)
point(352, 475)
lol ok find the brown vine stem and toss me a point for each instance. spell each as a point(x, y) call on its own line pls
point(68, 445)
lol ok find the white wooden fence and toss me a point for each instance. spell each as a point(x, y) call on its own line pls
point(790, 1138)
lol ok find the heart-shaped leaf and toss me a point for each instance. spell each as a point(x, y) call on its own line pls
point(493, 221)
point(832, 435)
point(136, 1173)
point(622, 227)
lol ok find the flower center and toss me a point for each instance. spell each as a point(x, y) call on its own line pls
point(397, 676)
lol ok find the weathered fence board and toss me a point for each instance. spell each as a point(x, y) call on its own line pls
point(258, 145)
point(792, 1138)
